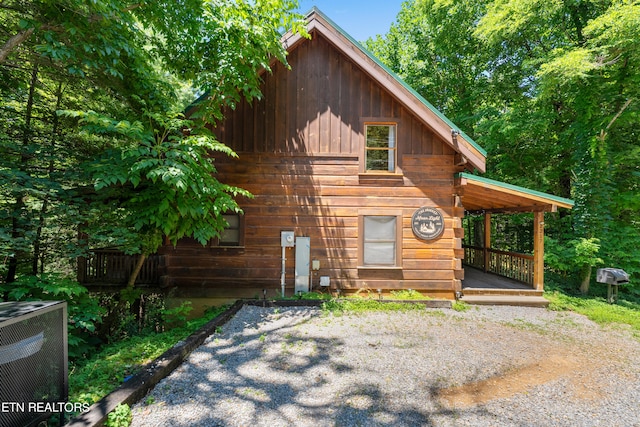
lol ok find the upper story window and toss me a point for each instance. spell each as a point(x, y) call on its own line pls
point(380, 147)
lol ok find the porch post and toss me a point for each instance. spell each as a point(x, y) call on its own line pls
point(538, 251)
point(487, 240)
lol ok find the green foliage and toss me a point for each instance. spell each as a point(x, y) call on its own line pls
point(407, 294)
point(166, 183)
point(84, 312)
point(625, 312)
point(460, 306)
point(315, 296)
point(122, 69)
point(576, 259)
point(572, 256)
point(550, 89)
point(363, 305)
point(120, 417)
point(93, 378)
point(178, 315)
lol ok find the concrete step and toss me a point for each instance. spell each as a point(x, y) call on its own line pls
point(516, 300)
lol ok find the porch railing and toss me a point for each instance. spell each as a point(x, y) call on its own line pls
point(507, 264)
point(114, 267)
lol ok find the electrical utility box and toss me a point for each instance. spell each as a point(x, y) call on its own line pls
point(33, 358)
point(287, 239)
point(303, 264)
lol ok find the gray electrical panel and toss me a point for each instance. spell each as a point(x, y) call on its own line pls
point(303, 264)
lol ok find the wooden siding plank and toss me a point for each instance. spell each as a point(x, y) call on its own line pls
point(281, 116)
point(302, 122)
point(325, 87)
point(312, 106)
point(345, 112)
point(270, 113)
point(334, 94)
point(292, 104)
point(376, 100)
point(356, 110)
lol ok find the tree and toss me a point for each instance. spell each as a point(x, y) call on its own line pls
point(432, 47)
point(120, 68)
point(162, 186)
point(550, 90)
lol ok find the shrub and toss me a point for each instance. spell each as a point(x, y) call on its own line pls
point(84, 311)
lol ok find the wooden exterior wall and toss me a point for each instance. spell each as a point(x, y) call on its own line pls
point(300, 150)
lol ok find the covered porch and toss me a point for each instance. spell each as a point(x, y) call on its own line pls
point(482, 288)
point(492, 272)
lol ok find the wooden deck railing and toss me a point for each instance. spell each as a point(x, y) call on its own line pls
point(111, 266)
point(507, 264)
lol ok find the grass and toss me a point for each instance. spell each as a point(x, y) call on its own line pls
point(92, 379)
point(597, 309)
point(408, 295)
point(364, 305)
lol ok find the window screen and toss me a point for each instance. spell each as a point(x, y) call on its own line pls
point(379, 240)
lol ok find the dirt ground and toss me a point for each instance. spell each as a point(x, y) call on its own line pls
point(563, 357)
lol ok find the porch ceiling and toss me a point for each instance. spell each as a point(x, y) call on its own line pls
point(480, 194)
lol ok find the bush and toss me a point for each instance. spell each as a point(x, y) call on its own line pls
point(93, 378)
point(84, 311)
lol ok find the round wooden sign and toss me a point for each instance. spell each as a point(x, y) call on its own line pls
point(427, 223)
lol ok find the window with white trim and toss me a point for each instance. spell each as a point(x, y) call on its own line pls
point(380, 147)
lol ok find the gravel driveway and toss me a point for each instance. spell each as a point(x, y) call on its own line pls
point(488, 366)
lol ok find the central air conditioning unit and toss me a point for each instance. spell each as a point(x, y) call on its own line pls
point(33, 360)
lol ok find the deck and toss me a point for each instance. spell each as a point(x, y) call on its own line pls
point(490, 289)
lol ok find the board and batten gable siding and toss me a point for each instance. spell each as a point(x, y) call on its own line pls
point(318, 107)
point(300, 150)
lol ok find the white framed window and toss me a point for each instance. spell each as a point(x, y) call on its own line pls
point(380, 147)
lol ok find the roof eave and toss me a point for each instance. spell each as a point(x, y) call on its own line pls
point(536, 197)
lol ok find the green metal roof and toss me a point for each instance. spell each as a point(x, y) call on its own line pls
point(523, 190)
point(398, 79)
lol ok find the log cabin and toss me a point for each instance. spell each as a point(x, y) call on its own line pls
point(359, 184)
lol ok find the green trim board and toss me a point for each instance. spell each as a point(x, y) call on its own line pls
point(525, 191)
point(372, 57)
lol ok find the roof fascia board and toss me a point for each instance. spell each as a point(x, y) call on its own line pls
point(466, 179)
point(519, 209)
point(426, 112)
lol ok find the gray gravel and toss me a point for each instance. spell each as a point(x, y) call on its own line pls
point(488, 366)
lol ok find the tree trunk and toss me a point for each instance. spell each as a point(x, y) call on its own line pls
point(136, 270)
point(45, 203)
point(19, 204)
point(585, 279)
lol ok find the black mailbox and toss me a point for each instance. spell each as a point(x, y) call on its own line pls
point(613, 277)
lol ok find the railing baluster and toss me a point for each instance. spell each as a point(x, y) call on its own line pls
point(114, 267)
point(508, 264)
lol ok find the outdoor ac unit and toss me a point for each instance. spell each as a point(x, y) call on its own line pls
point(33, 360)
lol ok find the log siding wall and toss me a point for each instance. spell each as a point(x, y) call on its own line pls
point(300, 151)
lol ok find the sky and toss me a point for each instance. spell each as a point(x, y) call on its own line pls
point(361, 19)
